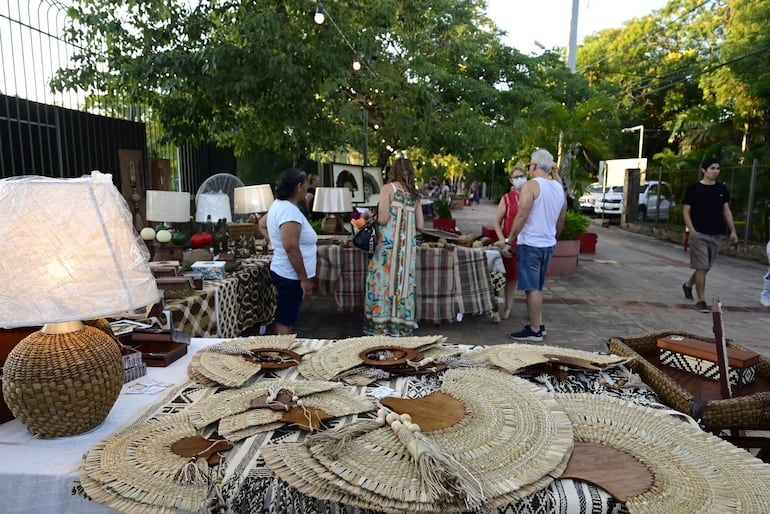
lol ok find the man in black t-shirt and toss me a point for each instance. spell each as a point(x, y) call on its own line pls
point(706, 211)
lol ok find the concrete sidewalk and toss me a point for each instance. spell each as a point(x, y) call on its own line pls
point(632, 285)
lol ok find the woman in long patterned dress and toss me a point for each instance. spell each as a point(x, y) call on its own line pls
point(389, 304)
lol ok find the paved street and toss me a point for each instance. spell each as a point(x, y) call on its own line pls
point(632, 285)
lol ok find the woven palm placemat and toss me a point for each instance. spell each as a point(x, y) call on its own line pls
point(136, 467)
point(343, 355)
point(512, 436)
point(514, 357)
point(223, 363)
point(335, 403)
point(693, 470)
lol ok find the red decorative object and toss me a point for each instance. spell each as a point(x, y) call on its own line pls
point(200, 240)
point(587, 242)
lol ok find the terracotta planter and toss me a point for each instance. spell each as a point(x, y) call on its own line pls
point(587, 242)
point(446, 224)
point(565, 257)
point(456, 203)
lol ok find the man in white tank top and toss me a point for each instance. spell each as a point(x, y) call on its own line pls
point(540, 218)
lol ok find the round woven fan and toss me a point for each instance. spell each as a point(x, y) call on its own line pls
point(232, 363)
point(138, 466)
point(512, 436)
point(344, 355)
point(692, 470)
point(514, 357)
point(234, 401)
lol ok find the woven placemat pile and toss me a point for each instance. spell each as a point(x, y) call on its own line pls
point(513, 440)
point(693, 470)
point(342, 357)
point(224, 363)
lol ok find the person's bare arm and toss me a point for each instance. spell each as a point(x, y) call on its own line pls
point(290, 232)
point(383, 207)
point(562, 216)
point(419, 219)
point(686, 216)
point(499, 217)
point(728, 215)
point(529, 192)
point(262, 224)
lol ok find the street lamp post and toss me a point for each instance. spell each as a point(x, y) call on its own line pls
point(640, 128)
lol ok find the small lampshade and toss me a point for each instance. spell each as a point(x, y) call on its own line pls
point(216, 205)
point(169, 206)
point(75, 256)
point(253, 199)
point(332, 200)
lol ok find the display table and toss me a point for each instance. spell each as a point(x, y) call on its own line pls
point(41, 475)
point(229, 306)
point(448, 281)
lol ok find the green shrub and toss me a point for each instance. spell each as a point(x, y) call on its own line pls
point(441, 209)
point(574, 224)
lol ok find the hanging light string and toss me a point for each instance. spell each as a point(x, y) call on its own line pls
point(322, 14)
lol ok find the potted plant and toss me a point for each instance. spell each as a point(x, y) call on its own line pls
point(442, 215)
point(565, 253)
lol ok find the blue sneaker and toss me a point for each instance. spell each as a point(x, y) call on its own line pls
point(527, 335)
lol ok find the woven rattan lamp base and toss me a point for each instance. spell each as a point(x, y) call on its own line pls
point(63, 384)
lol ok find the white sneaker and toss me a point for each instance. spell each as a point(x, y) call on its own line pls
point(765, 301)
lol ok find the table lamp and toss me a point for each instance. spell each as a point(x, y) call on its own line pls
point(168, 206)
point(212, 207)
point(253, 199)
point(75, 255)
point(332, 200)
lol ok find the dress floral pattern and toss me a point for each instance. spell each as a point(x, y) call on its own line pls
point(389, 303)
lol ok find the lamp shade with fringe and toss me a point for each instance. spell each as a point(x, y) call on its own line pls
point(253, 199)
point(88, 263)
point(212, 207)
point(168, 206)
point(332, 200)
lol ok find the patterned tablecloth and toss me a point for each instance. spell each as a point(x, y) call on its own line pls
point(449, 281)
point(229, 306)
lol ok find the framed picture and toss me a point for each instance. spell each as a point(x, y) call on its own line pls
point(352, 177)
point(373, 183)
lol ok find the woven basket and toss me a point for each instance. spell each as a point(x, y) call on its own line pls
point(744, 412)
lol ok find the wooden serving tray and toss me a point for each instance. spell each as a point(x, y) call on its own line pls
point(160, 353)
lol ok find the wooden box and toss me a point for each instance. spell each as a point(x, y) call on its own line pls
point(159, 347)
point(700, 358)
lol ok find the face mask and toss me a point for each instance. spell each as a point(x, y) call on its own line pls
point(518, 182)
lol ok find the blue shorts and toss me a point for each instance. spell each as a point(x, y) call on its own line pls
point(289, 299)
point(532, 266)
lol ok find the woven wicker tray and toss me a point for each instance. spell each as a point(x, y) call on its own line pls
point(699, 397)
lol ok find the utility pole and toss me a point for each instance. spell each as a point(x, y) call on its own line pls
point(572, 50)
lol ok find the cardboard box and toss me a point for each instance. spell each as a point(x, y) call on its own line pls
point(211, 270)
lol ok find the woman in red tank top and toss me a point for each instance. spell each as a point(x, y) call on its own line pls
point(506, 212)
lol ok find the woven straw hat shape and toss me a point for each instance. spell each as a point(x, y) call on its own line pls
point(343, 355)
point(135, 468)
point(223, 363)
point(693, 470)
point(513, 439)
point(514, 357)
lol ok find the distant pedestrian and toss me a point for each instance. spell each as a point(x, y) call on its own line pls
point(540, 218)
point(764, 298)
point(706, 212)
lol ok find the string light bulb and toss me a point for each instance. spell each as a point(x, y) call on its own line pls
point(319, 16)
point(356, 64)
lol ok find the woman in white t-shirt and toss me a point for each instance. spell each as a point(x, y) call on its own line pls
point(294, 249)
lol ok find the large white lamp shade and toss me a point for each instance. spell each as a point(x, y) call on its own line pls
point(168, 206)
point(212, 207)
point(253, 199)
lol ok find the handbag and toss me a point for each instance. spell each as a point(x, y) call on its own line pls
point(366, 237)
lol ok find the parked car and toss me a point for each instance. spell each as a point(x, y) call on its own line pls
point(587, 201)
point(650, 195)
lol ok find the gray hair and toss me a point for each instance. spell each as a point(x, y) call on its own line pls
point(543, 159)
